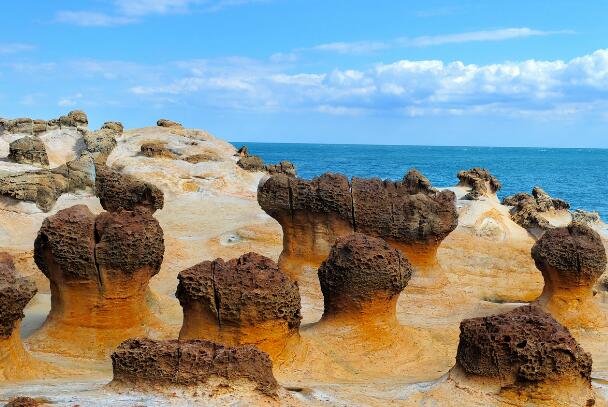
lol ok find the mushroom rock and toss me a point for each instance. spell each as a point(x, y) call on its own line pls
point(410, 215)
point(99, 269)
point(537, 212)
point(28, 150)
point(202, 366)
point(168, 123)
point(571, 260)
point(75, 118)
point(116, 127)
point(480, 182)
point(116, 191)
point(241, 301)
point(519, 358)
point(15, 293)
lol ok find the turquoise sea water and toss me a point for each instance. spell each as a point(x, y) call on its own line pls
point(579, 176)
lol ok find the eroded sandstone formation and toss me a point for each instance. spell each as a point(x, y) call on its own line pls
point(98, 268)
point(408, 214)
point(571, 260)
point(15, 293)
point(523, 356)
point(145, 364)
point(168, 123)
point(241, 301)
point(123, 191)
point(28, 150)
point(480, 182)
point(531, 211)
point(74, 119)
point(254, 163)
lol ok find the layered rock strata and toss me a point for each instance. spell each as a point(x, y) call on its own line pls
point(15, 293)
point(519, 358)
point(98, 268)
point(534, 212)
point(571, 259)
point(241, 301)
point(480, 182)
point(162, 365)
point(74, 119)
point(408, 214)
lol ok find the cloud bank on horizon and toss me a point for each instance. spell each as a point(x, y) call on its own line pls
point(449, 80)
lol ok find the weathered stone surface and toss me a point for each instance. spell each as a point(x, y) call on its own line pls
point(114, 126)
point(15, 293)
point(361, 269)
point(116, 191)
point(39, 127)
point(189, 363)
point(168, 123)
point(590, 218)
point(75, 118)
point(575, 253)
point(415, 182)
point(157, 149)
point(284, 167)
point(100, 143)
point(19, 126)
point(28, 150)
point(22, 402)
point(523, 345)
point(527, 209)
point(43, 187)
point(480, 181)
point(244, 291)
point(252, 163)
point(255, 163)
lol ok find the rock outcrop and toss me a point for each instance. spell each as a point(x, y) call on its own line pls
point(157, 149)
point(168, 123)
point(98, 268)
point(33, 127)
point(122, 191)
point(254, 163)
point(23, 402)
point(522, 357)
point(410, 215)
point(116, 127)
point(480, 182)
point(571, 260)
point(15, 293)
point(532, 211)
point(242, 301)
point(165, 365)
point(100, 143)
point(28, 150)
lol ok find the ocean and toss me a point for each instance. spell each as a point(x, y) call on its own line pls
point(578, 175)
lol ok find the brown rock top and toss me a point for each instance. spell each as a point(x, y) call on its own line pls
point(527, 209)
point(187, 363)
point(15, 293)
point(575, 252)
point(28, 150)
point(116, 191)
point(361, 269)
point(22, 402)
point(480, 181)
point(243, 291)
point(168, 123)
point(523, 345)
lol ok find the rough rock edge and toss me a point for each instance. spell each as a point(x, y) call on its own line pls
point(122, 191)
point(478, 179)
point(28, 150)
point(15, 293)
point(74, 119)
point(526, 209)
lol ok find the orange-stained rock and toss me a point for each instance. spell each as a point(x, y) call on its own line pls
point(98, 268)
point(242, 301)
point(161, 365)
point(571, 260)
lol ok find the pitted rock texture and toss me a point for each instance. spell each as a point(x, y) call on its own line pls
point(157, 149)
point(527, 209)
point(22, 402)
point(480, 181)
point(361, 269)
point(28, 150)
point(523, 345)
point(35, 127)
point(75, 118)
point(590, 218)
point(415, 182)
point(15, 293)
point(243, 291)
point(123, 191)
point(100, 143)
point(575, 252)
point(255, 163)
point(168, 123)
point(116, 127)
point(284, 167)
point(189, 363)
point(44, 187)
point(81, 244)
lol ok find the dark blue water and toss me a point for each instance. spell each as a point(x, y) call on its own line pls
point(577, 175)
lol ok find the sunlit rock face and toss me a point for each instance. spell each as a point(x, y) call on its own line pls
point(409, 214)
point(571, 260)
point(241, 301)
point(99, 268)
point(144, 364)
point(522, 357)
point(15, 293)
point(480, 182)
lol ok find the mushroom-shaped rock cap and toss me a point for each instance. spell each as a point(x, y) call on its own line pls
point(15, 293)
point(523, 345)
point(116, 191)
point(28, 150)
point(362, 269)
point(168, 123)
point(480, 181)
point(243, 291)
point(415, 183)
point(191, 362)
point(575, 252)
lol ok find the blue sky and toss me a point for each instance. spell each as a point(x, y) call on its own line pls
point(496, 73)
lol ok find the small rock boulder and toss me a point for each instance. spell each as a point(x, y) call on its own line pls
point(480, 181)
point(116, 191)
point(28, 150)
point(168, 123)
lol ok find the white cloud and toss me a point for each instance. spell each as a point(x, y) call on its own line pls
point(69, 101)
point(359, 47)
point(13, 48)
point(92, 19)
